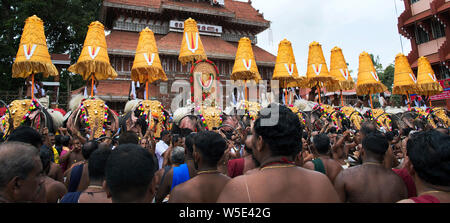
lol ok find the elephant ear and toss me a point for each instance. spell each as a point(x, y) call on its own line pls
point(72, 121)
point(114, 119)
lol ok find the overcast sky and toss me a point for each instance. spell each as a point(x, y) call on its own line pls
point(353, 25)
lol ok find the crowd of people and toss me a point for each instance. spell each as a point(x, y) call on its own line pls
point(243, 161)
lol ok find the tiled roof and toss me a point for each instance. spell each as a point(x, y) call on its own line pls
point(232, 8)
point(127, 41)
point(56, 56)
point(109, 88)
point(244, 10)
point(197, 5)
point(145, 3)
point(215, 47)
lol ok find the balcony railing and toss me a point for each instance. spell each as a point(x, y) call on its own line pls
point(231, 37)
point(137, 27)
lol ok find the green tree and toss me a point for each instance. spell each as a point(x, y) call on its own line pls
point(65, 25)
point(376, 63)
point(387, 76)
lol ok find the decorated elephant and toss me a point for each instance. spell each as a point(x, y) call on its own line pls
point(143, 114)
point(431, 118)
point(30, 113)
point(91, 115)
point(328, 112)
point(440, 116)
point(351, 118)
point(248, 108)
point(380, 117)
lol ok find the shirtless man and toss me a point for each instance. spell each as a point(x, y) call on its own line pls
point(206, 186)
point(278, 180)
point(74, 155)
point(55, 190)
point(340, 150)
point(370, 182)
point(79, 170)
point(95, 192)
point(324, 163)
point(431, 178)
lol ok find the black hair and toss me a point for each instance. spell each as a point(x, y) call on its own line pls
point(128, 138)
point(390, 135)
point(46, 158)
point(164, 133)
point(185, 132)
point(322, 143)
point(367, 128)
point(211, 146)
point(406, 131)
point(65, 141)
point(88, 148)
point(189, 142)
point(97, 163)
point(175, 138)
point(58, 140)
point(305, 135)
point(375, 143)
point(26, 134)
point(129, 172)
point(430, 155)
point(284, 137)
point(333, 130)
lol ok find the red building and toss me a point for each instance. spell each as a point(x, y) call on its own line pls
point(426, 23)
point(221, 25)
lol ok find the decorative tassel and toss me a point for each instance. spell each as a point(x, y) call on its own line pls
point(133, 90)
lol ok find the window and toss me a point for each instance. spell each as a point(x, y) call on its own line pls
point(444, 73)
point(437, 29)
point(421, 35)
point(165, 64)
point(414, 1)
point(130, 65)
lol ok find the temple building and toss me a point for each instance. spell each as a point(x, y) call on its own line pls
point(221, 24)
point(426, 23)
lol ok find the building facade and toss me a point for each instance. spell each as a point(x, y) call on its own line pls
point(426, 24)
point(221, 25)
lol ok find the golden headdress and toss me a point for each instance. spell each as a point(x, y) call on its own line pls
point(33, 56)
point(94, 57)
point(147, 65)
point(191, 46)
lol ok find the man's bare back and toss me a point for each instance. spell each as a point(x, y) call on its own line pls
point(280, 185)
point(55, 190)
point(332, 167)
point(370, 183)
point(204, 188)
point(56, 172)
